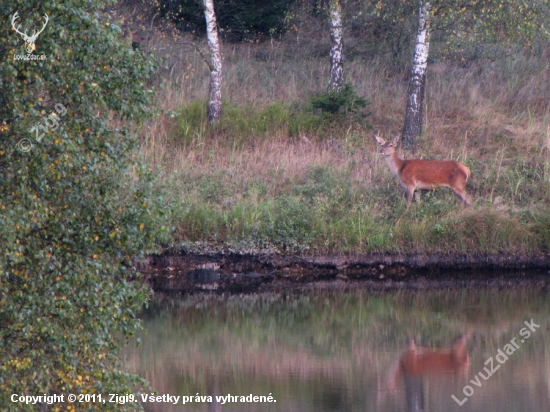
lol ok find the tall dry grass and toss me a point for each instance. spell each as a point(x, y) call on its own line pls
point(226, 183)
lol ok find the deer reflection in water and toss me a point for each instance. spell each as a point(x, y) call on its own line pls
point(417, 363)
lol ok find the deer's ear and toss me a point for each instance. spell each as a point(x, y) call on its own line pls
point(379, 140)
point(395, 140)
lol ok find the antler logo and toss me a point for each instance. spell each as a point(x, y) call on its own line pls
point(28, 39)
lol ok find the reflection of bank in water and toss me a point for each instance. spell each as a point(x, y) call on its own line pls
point(417, 363)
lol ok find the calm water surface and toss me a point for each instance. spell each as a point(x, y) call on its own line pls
point(336, 351)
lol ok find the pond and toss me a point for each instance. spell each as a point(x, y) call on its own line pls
point(481, 349)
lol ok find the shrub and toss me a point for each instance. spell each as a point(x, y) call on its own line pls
point(344, 102)
point(75, 209)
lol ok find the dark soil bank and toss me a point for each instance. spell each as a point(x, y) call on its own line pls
point(183, 272)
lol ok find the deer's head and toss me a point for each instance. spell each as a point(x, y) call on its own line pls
point(387, 148)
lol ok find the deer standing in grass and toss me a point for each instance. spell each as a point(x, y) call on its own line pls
point(416, 174)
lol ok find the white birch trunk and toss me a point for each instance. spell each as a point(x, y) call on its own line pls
point(417, 80)
point(215, 91)
point(336, 49)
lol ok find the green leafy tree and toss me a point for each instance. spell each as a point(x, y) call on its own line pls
point(238, 19)
point(460, 23)
point(75, 204)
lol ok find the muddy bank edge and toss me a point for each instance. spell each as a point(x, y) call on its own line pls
point(236, 272)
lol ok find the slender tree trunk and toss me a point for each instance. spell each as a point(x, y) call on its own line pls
point(412, 128)
point(215, 92)
point(336, 49)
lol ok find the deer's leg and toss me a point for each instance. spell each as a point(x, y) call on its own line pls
point(461, 193)
point(467, 200)
point(410, 194)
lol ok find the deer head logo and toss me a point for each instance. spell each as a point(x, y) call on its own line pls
point(28, 39)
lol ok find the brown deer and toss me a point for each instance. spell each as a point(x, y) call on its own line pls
point(421, 361)
point(417, 363)
point(416, 174)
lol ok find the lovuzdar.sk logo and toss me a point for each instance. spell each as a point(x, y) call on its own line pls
point(30, 40)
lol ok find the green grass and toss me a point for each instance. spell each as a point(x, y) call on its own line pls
point(317, 202)
point(277, 174)
point(327, 212)
point(244, 124)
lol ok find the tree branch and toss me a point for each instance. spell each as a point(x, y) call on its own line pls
point(200, 52)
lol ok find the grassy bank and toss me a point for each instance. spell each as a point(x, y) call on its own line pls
point(275, 174)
